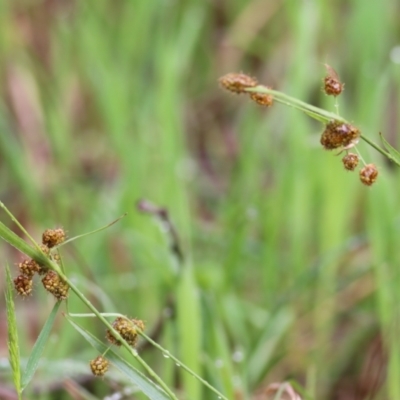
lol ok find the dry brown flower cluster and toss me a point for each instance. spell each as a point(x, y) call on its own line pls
point(52, 282)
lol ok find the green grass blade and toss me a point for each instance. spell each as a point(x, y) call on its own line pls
point(189, 327)
point(262, 354)
point(13, 347)
point(149, 388)
point(39, 347)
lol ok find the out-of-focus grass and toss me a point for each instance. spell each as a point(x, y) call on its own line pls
point(290, 263)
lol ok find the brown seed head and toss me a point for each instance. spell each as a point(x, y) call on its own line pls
point(23, 285)
point(55, 285)
point(237, 83)
point(53, 237)
point(350, 161)
point(126, 328)
point(99, 366)
point(339, 134)
point(262, 99)
point(332, 84)
point(369, 174)
point(29, 268)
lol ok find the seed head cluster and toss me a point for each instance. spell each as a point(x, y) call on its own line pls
point(239, 83)
point(127, 328)
point(28, 268)
point(99, 366)
point(350, 161)
point(332, 84)
point(55, 285)
point(338, 134)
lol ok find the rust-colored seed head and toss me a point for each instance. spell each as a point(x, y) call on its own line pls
point(55, 285)
point(350, 161)
point(53, 237)
point(262, 99)
point(23, 285)
point(29, 268)
point(332, 87)
point(99, 366)
point(237, 83)
point(369, 174)
point(339, 134)
point(126, 328)
point(332, 84)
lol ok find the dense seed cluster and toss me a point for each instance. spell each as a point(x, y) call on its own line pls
point(53, 237)
point(99, 366)
point(369, 174)
point(23, 285)
point(128, 329)
point(237, 82)
point(338, 134)
point(55, 285)
point(262, 99)
point(332, 84)
point(350, 161)
point(29, 268)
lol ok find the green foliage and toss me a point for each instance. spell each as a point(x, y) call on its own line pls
point(291, 259)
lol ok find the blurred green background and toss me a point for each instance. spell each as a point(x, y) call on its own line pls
point(291, 267)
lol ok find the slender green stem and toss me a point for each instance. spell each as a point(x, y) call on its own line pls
point(326, 116)
point(8, 212)
point(187, 369)
point(91, 232)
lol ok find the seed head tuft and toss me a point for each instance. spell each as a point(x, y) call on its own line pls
point(350, 161)
point(127, 329)
point(332, 84)
point(262, 99)
point(23, 285)
point(99, 366)
point(53, 237)
point(369, 174)
point(29, 268)
point(55, 285)
point(339, 134)
point(237, 83)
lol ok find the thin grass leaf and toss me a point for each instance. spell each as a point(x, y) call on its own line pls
point(13, 347)
point(263, 352)
point(39, 347)
point(394, 152)
point(149, 388)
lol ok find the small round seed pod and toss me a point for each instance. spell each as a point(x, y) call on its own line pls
point(53, 237)
point(29, 268)
point(55, 285)
point(332, 84)
point(23, 285)
point(99, 366)
point(339, 134)
point(350, 161)
point(45, 249)
point(263, 99)
point(126, 328)
point(369, 174)
point(237, 83)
